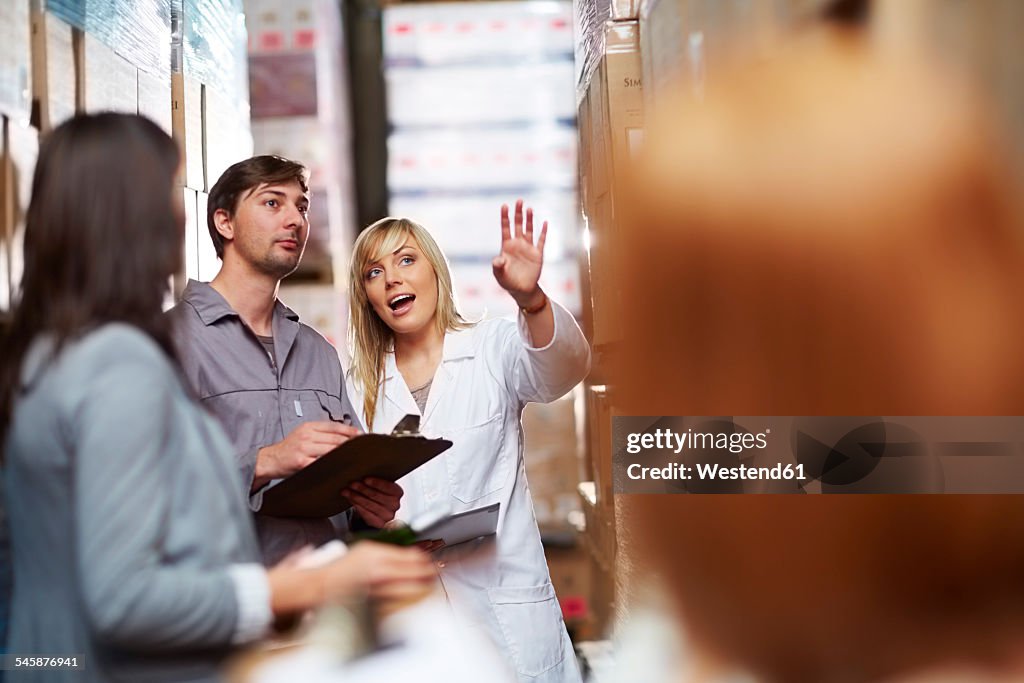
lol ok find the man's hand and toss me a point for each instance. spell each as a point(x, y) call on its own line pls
point(306, 443)
point(375, 500)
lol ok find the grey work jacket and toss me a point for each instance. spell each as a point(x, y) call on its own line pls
point(258, 399)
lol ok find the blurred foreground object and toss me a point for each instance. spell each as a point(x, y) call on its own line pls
point(830, 232)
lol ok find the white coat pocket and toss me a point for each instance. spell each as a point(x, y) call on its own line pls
point(531, 624)
point(477, 464)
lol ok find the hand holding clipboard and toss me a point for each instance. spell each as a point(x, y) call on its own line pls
point(315, 491)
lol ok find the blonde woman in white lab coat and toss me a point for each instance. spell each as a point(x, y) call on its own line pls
point(414, 354)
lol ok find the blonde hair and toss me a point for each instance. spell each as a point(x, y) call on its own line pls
point(371, 338)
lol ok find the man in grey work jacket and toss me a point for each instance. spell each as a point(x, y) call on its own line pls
point(275, 384)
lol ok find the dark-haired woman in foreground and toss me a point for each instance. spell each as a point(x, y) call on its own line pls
point(132, 543)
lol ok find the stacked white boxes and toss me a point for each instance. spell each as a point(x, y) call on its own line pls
point(481, 110)
point(298, 90)
point(300, 111)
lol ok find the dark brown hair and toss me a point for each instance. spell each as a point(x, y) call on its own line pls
point(102, 238)
point(241, 179)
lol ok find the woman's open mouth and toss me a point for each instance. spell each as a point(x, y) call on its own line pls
point(401, 303)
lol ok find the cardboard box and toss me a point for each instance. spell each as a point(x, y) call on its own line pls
point(7, 211)
point(552, 463)
point(682, 41)
point(187, 127)
point(192, 235)
point(570, 570)
point(614, 103)
point(155, 99)
point(20, 147)
point(15, 61)
point(54, 87)
point(599, 442)
point(624, 9)
point(106, 81)
point(303, 139)
point(283, 84)
point(599, 533)
point(227, 137)
point(276, 27)
point(209, 264)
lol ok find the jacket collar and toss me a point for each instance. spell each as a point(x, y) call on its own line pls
point(457, 345)
point(211, 306)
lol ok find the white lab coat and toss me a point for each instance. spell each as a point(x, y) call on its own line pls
point(500, 585)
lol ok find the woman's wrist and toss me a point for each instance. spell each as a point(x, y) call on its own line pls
point(294, 590)
point(532, 303)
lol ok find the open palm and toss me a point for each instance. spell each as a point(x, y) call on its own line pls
point(517, 268)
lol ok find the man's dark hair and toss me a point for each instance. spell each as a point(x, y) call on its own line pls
point(241, 179)
point(102, 239)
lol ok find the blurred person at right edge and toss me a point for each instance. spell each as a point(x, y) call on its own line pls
point(832, 231)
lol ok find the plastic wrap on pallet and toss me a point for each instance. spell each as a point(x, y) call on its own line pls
point(466, 225)
point(480, 100)
point(472, 95)
point(477, 33)
point(137, 30)
point(479, 295)
point(589, 18)
point(209, 45)
point(15, 61)
point(486, 159)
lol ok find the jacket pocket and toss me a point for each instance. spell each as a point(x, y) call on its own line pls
point(332, 405)
point(477, 464)
point(531, 625)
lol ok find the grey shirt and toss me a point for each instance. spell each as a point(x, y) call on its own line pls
point(113, 476)
point(258, 401)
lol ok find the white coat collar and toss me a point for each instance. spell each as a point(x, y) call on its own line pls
point(457, 345)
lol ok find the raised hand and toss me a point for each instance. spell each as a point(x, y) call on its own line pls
point(517, 268)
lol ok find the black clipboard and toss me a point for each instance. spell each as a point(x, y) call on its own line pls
point(315, 491)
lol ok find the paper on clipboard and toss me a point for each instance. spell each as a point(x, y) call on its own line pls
point(315, 491)
point(463, 526)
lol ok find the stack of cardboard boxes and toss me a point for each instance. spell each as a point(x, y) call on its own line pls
point(179, 62)
point(480, 109)
point(674, 47)
point(609, 97)
point(300, 110)
point(210, 111)
point(175, 61)
point(553, 470)
point(628, 53)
